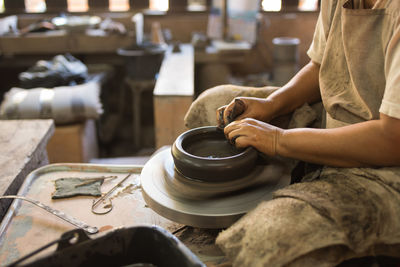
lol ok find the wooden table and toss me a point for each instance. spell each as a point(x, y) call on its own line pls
point(22, 149)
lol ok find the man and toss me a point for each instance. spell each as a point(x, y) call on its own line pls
point(351, 208)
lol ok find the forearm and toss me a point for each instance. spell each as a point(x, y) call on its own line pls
point(362, 144)
point(302, 88)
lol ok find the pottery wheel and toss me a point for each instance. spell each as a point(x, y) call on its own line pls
point(207, 204)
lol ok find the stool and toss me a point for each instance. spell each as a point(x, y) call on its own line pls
point(137, 87)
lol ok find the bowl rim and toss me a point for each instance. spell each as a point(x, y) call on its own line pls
point(206, 129)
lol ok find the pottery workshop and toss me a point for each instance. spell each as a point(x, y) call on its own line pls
point(207, 133)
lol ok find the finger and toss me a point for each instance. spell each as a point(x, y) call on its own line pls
point(228, 112)
point(220, 116)
point(238, 109)
point(234, 134)
point(233, 139)
point(235, 108)
point(240, 141)
point(231, 127)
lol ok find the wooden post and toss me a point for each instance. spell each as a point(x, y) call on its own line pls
point(14, 6)
point(178, 5)
point(98, 4)
point(139, 4)
point(290, 4)
point(56, 5)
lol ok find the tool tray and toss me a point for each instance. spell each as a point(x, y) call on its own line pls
point(26, 227)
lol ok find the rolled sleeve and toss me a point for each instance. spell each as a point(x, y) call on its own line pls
point(317, 48)
point(391, 99)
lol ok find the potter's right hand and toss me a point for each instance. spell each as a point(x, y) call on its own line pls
point(244, 107)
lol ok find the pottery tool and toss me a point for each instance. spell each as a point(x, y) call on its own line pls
point(59, 214)
point(92, 180)
point(109, 206)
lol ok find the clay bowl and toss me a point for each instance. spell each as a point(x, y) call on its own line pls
point(205, 154)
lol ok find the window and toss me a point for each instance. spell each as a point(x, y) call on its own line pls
point(278, 5)
point(272, 5)
point(35, 6)
point(78, 5)
point(156, 6)
point(159, 5)
point(119, 5)
point(308, 5)
point(197, 5)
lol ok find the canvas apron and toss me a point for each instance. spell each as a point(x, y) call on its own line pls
point(352, 78)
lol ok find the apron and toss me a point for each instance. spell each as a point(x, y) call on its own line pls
point(352, 78)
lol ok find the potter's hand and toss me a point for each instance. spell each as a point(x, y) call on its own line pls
point(250, 132)
point(243, 107)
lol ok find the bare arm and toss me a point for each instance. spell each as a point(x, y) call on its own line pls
point(370, 143)
point(302, 88)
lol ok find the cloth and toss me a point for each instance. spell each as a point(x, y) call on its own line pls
point(60, 70)
point(64, 104)
point(71, 187)
point(202, 111)
point(338, 213)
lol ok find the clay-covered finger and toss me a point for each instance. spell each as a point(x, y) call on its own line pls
point(232, 110)
point(238, 108)
point(220, 117)
point(233, 139)
point(229, 128)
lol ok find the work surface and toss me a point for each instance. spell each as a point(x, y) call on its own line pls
point(22, 149)
point(27, 227)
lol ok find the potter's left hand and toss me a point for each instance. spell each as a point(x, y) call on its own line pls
point(250, 132)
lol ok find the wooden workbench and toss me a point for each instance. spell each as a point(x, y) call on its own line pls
point(22, 149)
point(173, 94)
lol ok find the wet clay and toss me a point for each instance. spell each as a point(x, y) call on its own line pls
point(204, 154)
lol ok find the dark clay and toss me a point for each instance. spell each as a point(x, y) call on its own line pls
point(205, 154)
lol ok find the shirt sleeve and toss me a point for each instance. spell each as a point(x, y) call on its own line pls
point(391, 99)
point(317, 48)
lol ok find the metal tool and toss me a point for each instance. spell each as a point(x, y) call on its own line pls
point(95, 179)
point(59, 214)
point(108, 207)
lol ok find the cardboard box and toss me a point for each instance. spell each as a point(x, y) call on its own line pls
point(76, 143)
